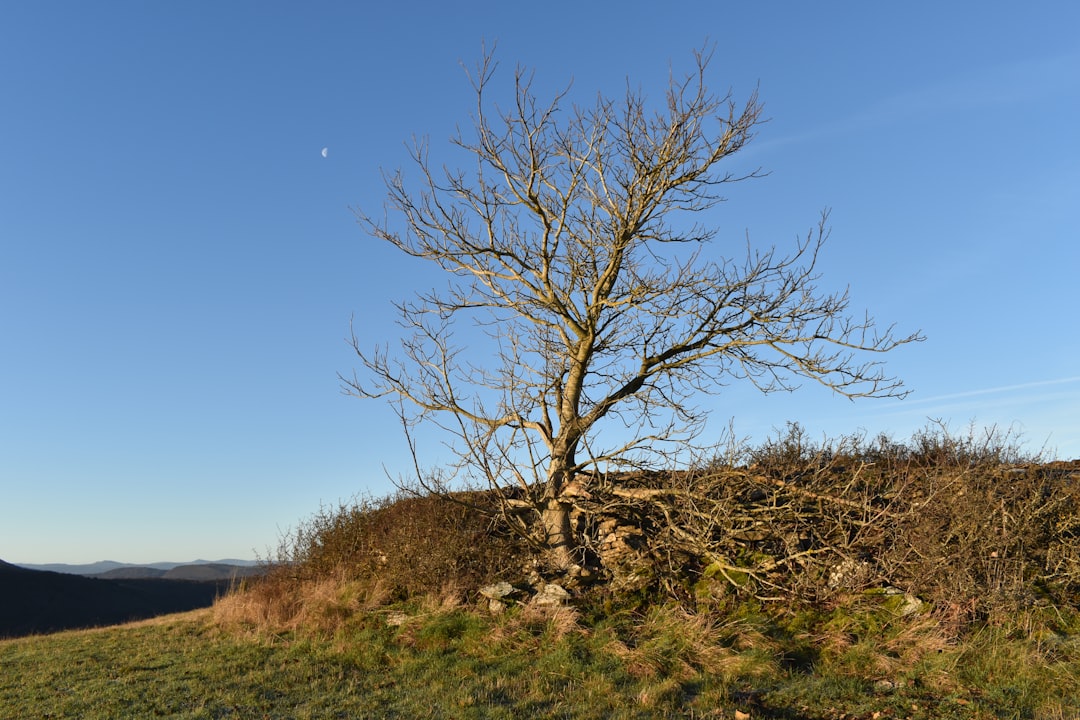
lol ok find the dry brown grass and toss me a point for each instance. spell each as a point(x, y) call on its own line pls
point(673, 643)
point(532, 627)
point(279, 603)
point(863, 641)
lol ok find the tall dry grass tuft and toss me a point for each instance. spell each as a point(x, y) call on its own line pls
point(870, 642)
point(671, 642)
point(450, 595)
point(281, 603)
point(532, 627)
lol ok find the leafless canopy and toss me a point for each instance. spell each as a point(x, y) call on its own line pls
point(580, 241)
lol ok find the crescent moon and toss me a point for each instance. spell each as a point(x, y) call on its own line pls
point(324, 152)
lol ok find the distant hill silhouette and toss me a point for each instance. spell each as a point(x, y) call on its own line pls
point(200, 572)
point(129, 573)
point(9, 568)
point(108, 566)
point(35, 601)
point(211, 571)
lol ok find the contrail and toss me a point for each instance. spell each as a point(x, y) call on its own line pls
point(993, 390)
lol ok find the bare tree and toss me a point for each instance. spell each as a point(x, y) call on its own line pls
point(572, 243)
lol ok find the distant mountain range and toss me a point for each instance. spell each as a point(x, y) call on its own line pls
point(201, 572)
point(40, 601)
point(111, 568)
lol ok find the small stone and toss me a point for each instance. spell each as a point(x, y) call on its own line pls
point(551, 594)
point(911, 605)
point(497, 591)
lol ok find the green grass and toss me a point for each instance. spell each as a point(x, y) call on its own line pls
point(180, 668)
point(184, 668)
point(457, 663)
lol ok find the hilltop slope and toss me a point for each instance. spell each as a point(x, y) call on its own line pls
point(34, 601)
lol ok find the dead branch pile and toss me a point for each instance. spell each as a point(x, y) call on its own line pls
point(952, 530)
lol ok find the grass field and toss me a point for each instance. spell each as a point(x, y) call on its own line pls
point(460, 663)
point(180, 667)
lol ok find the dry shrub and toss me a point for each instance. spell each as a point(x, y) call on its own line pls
point(362, 555)
point(961, 521)
point(981, 531)
point(270, 602)
point(967, 523)
point(413, 544)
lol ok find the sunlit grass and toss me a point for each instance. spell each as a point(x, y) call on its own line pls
point(374, 611)
point(434, 661)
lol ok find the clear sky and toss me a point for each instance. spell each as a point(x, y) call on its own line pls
point(179, 263)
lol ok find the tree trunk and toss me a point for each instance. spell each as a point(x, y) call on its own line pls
point(558, 534)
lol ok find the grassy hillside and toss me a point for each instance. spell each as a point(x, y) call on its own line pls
point(424, 660)
point(33, 601)
point(939, 579)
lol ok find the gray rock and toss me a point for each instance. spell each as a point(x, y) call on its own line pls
point(551, 594)
point(906, 604)
point(497, 591)
point(910, 606)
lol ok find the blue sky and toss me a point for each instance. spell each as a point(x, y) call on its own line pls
point(179, 263)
